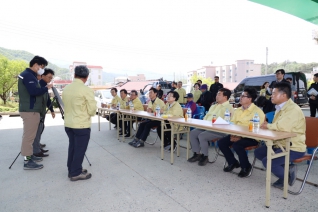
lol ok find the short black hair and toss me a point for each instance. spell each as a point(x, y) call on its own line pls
point(153, 89)
point(226, 92)
point(281, 71)
point(284, 87)
point(199, 81)
point(174, 83)
point(174, 94)
point(123, 90)
point(260, 101)
point(38, 60)
point(113, 89)
point(217, 77)
point(196, 84)
point(134, 91)
point(316, 75)
point(252, 93)
point(81, 71)
point(48, 71)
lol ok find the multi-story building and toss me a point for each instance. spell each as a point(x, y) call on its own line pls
point(95, 73)
point(228, 73)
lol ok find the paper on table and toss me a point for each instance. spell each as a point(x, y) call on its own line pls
point(219, 120)
point(313, 91)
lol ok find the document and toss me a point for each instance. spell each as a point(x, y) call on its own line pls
point(219, 120)
point(313, 91)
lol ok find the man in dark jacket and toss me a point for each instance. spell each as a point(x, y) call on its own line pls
point(313, 99)
point(214, 88)
point(280, 73)
point(30, 107)
point(205, 99)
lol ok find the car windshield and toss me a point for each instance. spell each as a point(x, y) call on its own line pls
point(107, 94)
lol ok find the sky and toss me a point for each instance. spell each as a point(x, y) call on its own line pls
point(157, 38)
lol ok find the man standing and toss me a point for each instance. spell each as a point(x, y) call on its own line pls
point(313, 99)
point(205, 99)
point(293, 87)
point(181, 92)
point(80, 106)
point(279, 74)
point(173, 86)
point(214, 88)
point(242, 117)
point(46, 78)
point(288, 118)
point(160, 92)
point(200, 138)
point(30, 107)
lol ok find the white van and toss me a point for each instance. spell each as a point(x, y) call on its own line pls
point(103, 96)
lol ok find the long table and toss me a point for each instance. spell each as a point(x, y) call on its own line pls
point(269, 136)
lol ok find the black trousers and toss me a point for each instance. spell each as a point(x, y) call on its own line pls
point(78, 142)
point(313, 109)
point(145, 127)
point(166, 135)
point(239, 147)
point(113, 118)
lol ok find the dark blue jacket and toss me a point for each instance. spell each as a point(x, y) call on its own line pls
point(30, 92)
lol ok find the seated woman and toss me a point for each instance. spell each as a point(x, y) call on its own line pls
point(172, 108)
point(265, 90)
point(265, 104)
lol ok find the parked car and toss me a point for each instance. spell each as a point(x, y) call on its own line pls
point(103, 96)
point(299, 80)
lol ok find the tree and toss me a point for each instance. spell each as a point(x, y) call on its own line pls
point(195, 78)
point(9, 71)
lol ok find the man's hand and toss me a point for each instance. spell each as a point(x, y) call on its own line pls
point(264, 125)
point(235, 138)
point(49, 86)
point(312, 97)
point(53, 114)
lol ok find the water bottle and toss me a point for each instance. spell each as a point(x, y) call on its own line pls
point(158, 111)
point(189, 113)
point(131, 106)
point(256, 123)
point(118, 106)
point(227, 116)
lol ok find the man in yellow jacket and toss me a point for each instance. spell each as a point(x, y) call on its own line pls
point(200, 138)
point(80, 106)
point(242, 117)
point(145, 126)
point(174, 109)
point(182, 93)
point(288, 118)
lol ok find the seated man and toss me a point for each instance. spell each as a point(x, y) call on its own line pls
point(145, 127)
point(190, 103)
point(137, 106)
point(288, 118)
point(242, 117)
point(200, 138)
point(174, 109)
point(113, 116)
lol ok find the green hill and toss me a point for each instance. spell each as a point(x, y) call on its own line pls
point(27, 56)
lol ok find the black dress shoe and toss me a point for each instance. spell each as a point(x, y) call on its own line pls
point(229, 168)
point(41, 154)
point(127, 135)
point(245, 172)
point(44, 150)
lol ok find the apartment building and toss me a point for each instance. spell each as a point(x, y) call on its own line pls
point(95, 73)
point(228, 73)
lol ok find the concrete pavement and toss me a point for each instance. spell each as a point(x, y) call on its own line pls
point(129, 179)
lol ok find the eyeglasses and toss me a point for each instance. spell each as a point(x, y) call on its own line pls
point(242, 96)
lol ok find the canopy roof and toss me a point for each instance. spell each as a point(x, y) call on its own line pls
point(304, 9)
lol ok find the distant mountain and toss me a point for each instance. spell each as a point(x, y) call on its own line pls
point(27, 56)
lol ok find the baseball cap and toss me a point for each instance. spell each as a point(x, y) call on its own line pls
point(189, 95)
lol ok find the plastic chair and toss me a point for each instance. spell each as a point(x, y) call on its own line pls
point(270, 116)
point(199, 112)
point(311, 142)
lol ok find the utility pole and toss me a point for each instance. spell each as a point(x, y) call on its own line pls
point(266, 60)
